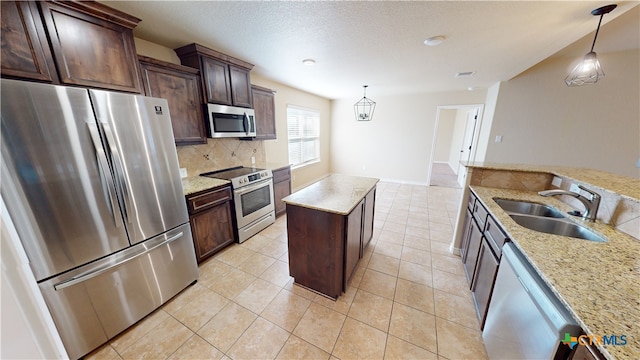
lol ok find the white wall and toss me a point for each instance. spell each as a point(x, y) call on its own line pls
point(397, 143)
point(446, 123)
point(457, 138)
point(277, 151)
point(543, 121)
point(27, 330)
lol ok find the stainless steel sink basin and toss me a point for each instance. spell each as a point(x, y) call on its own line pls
point(556, 227)
point(528, 208)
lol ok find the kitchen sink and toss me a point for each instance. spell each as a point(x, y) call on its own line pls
point(556, 227)
point(528, 208)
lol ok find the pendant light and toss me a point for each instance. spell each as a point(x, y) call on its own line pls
point(364, 107)
point(589, 71)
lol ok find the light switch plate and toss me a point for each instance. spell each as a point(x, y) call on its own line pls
point(183, 172)
point(557, 181)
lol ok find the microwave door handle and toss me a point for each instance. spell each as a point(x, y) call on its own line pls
point(245, 122)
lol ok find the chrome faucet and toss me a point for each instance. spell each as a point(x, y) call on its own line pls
point(591, 205)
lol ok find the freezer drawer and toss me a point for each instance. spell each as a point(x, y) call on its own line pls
point(96, 302)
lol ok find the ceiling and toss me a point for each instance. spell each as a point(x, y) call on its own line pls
point(380, 43)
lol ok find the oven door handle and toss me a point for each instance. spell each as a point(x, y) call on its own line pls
point(249, 188)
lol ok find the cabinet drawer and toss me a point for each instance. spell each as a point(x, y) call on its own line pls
point(282, 175)
point(495, 236)
point(472, 200)
point(480, 214)
point(206, 200)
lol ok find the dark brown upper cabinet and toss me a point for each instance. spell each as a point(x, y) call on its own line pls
point(225, 79)
point(25, 50)
point(180, 85)
point(264, 106)
point(92, 45)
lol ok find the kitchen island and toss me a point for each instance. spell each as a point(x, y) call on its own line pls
point(329, 225)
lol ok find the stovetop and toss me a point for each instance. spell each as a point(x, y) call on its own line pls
point(240, 175)
point(231, 173)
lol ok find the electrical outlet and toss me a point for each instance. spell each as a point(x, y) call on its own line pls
point(253, 160)
point(556, 181)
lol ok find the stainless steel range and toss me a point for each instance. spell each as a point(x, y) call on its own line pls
point(252, 197)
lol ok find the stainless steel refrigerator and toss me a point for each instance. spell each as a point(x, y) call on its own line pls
point(91, 182)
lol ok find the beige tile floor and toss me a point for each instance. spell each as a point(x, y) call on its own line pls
point(408, 298)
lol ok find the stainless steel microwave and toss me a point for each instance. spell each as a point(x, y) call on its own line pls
point(231, 121)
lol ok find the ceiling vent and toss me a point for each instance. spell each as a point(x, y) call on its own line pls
point(465, 74)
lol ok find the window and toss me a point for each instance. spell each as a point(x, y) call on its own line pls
point(303, 128)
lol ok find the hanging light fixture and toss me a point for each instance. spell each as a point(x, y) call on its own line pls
point(589, 71)
point(364, 107)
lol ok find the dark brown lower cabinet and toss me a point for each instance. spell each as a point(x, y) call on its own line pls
point(484, 279)
point(473, 248)
point(367, 222)
point(281, 188)
point(481, 250)
point(211, 222)
point(325, 247)
point(353, 241)
point(464, 246)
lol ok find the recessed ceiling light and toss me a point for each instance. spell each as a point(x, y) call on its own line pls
point(465, 74)
point(434, 40)
point(309, 62)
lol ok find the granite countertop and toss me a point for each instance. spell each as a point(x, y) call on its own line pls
point(335, 193)
point(598, 282)
point(194, 184)
point(622, 185)
point(276, 165)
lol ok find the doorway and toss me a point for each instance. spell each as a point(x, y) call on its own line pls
point(455, 137)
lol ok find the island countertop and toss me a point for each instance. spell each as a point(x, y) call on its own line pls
point(335, 193)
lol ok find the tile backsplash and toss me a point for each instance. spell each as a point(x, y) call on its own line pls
point(219, 154)
point(619, 212)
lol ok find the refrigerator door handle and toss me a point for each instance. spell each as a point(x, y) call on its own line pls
point(118, 169)
point(103, 170)
point(89, 274)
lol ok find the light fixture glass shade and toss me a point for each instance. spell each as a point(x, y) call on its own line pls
point(588, 71)
point(364, 107)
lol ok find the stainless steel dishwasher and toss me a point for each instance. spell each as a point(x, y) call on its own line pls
point(525, 319)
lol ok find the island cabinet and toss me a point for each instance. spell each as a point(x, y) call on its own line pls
point(225, 79)
point(211, 221)
point(481, 250)
point(327, 226)
point(180, 85)
point(281, 188)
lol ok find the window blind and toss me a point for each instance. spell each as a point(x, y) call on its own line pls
point(303, 128)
